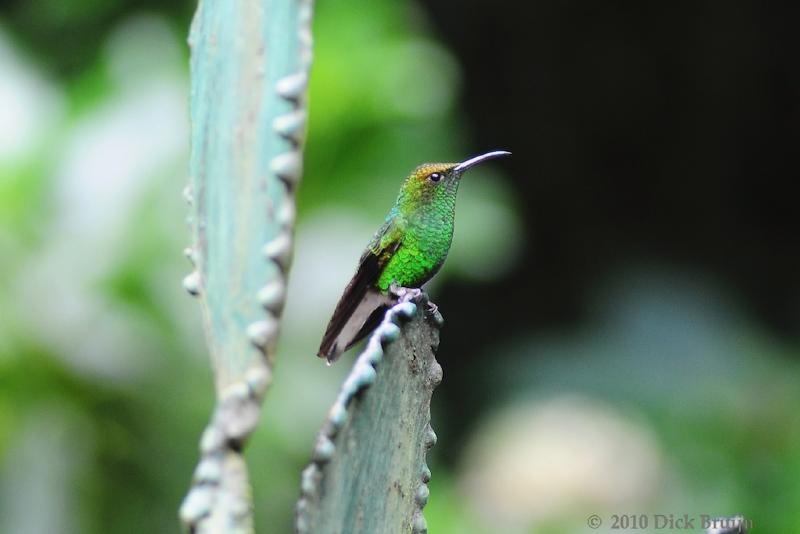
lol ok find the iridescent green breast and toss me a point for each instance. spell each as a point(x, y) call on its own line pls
point(427, 235)
point(419, 257)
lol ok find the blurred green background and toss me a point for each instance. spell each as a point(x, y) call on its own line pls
point(621, 299)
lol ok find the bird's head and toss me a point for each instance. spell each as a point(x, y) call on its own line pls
point(432, 180)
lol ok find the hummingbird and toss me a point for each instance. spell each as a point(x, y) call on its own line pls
point(406, 251)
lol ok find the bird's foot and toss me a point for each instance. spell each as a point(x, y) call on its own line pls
point(433, 313)
point(404, 293)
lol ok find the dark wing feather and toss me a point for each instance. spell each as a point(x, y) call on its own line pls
point(363, 282)
point(372, 321)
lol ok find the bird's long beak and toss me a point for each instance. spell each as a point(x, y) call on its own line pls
point(464, 165)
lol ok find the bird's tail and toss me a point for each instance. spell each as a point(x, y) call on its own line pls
point(346, 329)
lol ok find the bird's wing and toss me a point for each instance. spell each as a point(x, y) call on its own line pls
point(361, 299)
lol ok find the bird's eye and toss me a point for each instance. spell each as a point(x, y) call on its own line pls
point(435, 177)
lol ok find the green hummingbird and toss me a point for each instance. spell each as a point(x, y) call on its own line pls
point(404, 253)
